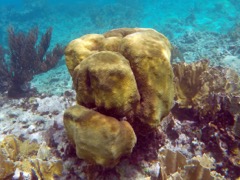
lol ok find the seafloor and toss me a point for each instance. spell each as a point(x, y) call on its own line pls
point(198, 31)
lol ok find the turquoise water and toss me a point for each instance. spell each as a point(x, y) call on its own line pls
point(197, 29)
point(71, 19)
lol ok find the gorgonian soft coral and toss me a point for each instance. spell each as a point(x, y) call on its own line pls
point(27, 58)
point(4, 73)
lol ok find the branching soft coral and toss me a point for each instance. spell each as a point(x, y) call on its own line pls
point(27, 59)
point(4, 73)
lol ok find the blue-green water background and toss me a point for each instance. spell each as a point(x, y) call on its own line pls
point(72, 18)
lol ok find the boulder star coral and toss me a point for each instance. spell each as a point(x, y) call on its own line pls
point(124, 73)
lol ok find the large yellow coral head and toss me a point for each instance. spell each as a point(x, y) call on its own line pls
point(124, 70)
point(122, 73)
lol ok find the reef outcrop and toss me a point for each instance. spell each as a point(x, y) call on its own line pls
point(125, 74)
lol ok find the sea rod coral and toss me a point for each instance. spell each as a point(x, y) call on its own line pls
point(125, 78)
point(27, 59)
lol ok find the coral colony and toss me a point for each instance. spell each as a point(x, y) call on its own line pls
point(82, 99)
point(132, 114)
point(112, 77)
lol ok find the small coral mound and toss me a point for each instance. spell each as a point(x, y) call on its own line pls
point(148, 53)
point(124, 73)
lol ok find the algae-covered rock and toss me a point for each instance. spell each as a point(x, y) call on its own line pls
point(98, 138)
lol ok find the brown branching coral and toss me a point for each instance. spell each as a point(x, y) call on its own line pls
point(28, 59)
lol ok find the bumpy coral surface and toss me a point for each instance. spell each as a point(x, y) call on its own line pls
point(148, 53)
point(105, 80)
point(124, 73)
point(98, 138)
